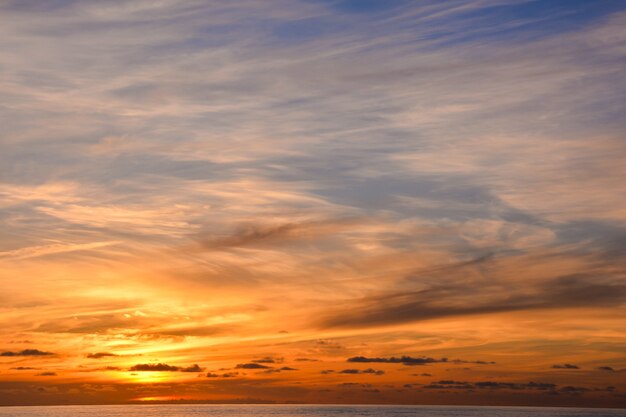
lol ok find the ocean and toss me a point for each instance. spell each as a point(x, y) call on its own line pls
point(300, 411)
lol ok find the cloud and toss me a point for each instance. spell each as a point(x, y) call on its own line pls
point(445, 160)
point(256, 234)
point(269, 359)
point(27, 352)
point(606, 368)
point(362, 371)
point(163, 367)
point(104, 368)
point(405, 360)
point(47, 374)
point(461, 361)
point(198, 331)
point(511, 385)
point(224, 375)
point(492, 385)
point(251, 366)
point(32, 252)
point(278, 370)
point(573, 291)
point(573, 390)
point(565, 366)
point(154, 367)
point(100, 355)
point(250, 235)
point(193, 368)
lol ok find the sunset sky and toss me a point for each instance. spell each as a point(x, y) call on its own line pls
point(321, 201)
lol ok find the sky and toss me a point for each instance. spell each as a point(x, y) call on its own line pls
point(318, 201)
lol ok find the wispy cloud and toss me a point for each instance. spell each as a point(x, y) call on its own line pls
point(225, 183)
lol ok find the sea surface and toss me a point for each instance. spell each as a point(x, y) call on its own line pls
point(300, 411)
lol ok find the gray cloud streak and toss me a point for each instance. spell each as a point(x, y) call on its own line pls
point(566, 292)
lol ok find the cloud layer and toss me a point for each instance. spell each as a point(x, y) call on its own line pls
point(268, 188)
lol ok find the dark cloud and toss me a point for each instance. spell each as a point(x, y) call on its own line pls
point(405, 360)
point(306, 360)
point(251, 366)
point(327, 346)
point(284, 368)
point(509, 385)
point(154, 367)
point(27, 352)
point(163, 367)
point(257, 234)
point(605, 368)
point(565, 292)
point(269, 359)
point(451, 384)
point(355, 384)
point(573, 390)
point(24, 368)
point(565, 366)
point(100, 355)
point(224, 375)
point(193, 368)
point(47, 374)
point(249, 235)
point(603, 239)
point(460, 361)
point(362, 371)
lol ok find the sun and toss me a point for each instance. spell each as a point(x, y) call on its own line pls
point(160, 398)
point(148, 377)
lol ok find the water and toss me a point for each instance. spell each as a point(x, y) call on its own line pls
point(300, 411)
